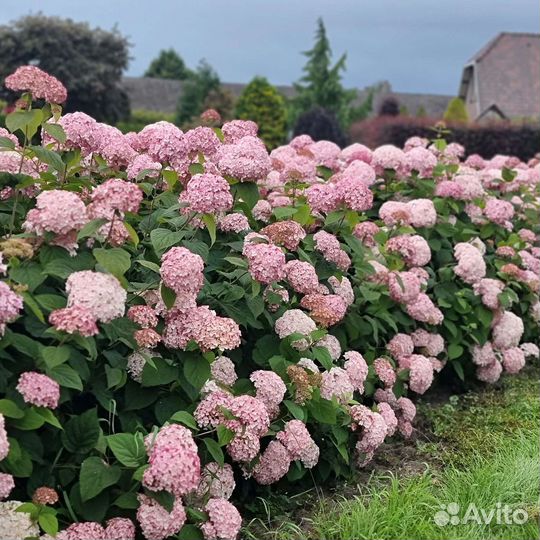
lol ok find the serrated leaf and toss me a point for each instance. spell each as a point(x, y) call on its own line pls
point(128, 449)
point(56, 131)
point(48, 523)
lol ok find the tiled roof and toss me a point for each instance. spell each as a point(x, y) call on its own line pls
point(507, 72)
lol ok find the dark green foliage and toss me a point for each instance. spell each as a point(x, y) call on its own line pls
point(262, 103)
point(389, 107)
point(456, 111)
point(168, 65)
point(195, 92)
point(321, 125)
point(140, 118)
point(88, 61)
point(321, 84)
point(222, 101)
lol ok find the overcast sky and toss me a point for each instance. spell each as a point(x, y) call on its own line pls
point(417, 45)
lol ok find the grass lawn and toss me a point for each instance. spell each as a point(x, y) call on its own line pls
point(479, 448)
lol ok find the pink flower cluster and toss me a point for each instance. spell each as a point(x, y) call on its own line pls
point(331, 249)
point(39, 390)
point(39, 83)
point(10, 306)
point(206, 194)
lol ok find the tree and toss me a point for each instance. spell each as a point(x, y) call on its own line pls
point(456, 111)
point(421, 112)
point(88, 61)
point(321, 85)
point(195, 91)
point(222, 101)
point(262, 103)
point(389, 107)
point(321, 125)
point(168, 65)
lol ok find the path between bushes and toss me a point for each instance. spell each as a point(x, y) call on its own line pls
point(479, 448)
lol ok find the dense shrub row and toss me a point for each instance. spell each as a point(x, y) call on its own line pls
point(487, 140)
point(183, 313)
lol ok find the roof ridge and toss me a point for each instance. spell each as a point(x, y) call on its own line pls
point(477, 57)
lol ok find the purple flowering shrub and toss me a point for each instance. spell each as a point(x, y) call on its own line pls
point(183, 314)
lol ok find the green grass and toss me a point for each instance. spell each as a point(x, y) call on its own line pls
point(482, 448)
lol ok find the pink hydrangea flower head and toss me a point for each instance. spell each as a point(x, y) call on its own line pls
point(222, 371)
point(246, 159)
point(404, 287)
point(39, 83)
point(156, 522)
point(207, 193)
point(385, 371)
point(449, 189)
point(245, 445)
point(4, 442)
point(471, 266)
point(112, 196)
point(489, 373)
point(296, 439)
point(394, 213)
point(499, 211)
point(235, 130)
point(414, 249)
point(507, 331)
point(420, 159)
point(266, 261)
point(89, 530)
point(56, 211)
point(262, 211)
point(489, 289)
point(400, 345)
point(10, 305)
point(216, 481)
point(209, 412)
point(424, 310)
point(285, 233)
point(144, 316)
point(389, 416)
point(355, 152)
point(302, 276)
point(234, 222)
point(174, 463)
point(273, 464)
point(415, 142)
point(182, 271)
point(295, 321)
point(421, 373)
point(269, 388)
point(325, 309)
point(431, 344)
point(38, 389)
point(388, 157)
point(140, 163)
point(366, 232)
point(342, 288)
point(326, 153)
point(354, 193)
point(323, 197)
point(357, 369)
point(7, 483)
point(251, 412)
point(147, 337)
point(423, 213)
point(202, 140)
point(162, 141)
point(120, 529)
point(373, 432)
point(99, 293)
point(331, 249)
point(513, 360)
point(224, 520)
point(332, 345)
point(336, 383)
point(471, 186)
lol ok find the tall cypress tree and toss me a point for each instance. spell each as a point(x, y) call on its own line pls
point(321, 84)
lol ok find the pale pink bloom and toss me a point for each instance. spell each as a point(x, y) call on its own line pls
point(216, 481)
point(39, 83)
point(38, 389)
point(357, 369)
point(336, 383)
point(273, 464)
point(424, 310)
point(155, 521)
point(7, 483)
point(507, 331)
point(205, 194)
point(414, 249)
point(299, 444)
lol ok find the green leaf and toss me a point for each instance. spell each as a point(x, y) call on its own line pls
point(324, 411)
point(90, 228)
point(95, 476)
point(49, 157)
point(150, 265)
point(162, 239)
point(323, 356)
point(66, 376)
point(26, 121)
point(30, 421)
point(10, 409)
point(458, 368)
point(18, 462)
point(236, 261)
point(134, 237)
point(128, 449)
point(48, 522)
point(196, 168)
point(81, 433)
point(214, 450)
point(5, 142)
point(225, 435)
point(247, 192)
point(183, 417)
point(55, 356)
point(455, 350)
point(210, 222)
point(56, 131)
point(170, 176)
point(190, 532)
point(295, 410)
point(160, 373)
point(115, 260)
point(196, 370)
point(49, 417)
point(127, 501)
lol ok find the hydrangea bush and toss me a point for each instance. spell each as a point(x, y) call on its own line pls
point(183, 314)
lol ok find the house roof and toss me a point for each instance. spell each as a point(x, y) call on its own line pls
point(506, 72)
